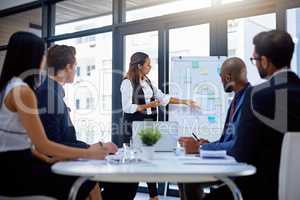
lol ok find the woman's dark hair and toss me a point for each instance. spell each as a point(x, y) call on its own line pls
point(133, 74)
point(59, 56)
point(24, 52)
point(277, 46)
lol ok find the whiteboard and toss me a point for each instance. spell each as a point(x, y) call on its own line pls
point(198, 78)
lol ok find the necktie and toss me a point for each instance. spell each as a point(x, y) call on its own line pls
point(232, 108)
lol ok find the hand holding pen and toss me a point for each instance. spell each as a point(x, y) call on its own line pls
point(201, 140)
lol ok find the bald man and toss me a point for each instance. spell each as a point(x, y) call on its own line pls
point(234, 78)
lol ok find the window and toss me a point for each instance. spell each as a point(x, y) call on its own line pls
point(147, 43)
point(293, 27)
point(91, 120)
point(107, 63)
point(30, 21)
point(106, 102)
point(240, 35)
point(74, 15)
point(230, 1)
point(152, 8)
point(90, 103)
point(88, 70)
point(186, 41)
point(78, 71)
point(77, 104)
point(88, 39)
point(194, 41)
point(2, 57)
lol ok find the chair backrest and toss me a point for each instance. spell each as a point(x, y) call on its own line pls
point(289, 174)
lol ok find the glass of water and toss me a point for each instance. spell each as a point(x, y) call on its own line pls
point(128, 152)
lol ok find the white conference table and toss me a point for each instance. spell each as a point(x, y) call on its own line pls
point(165, 167)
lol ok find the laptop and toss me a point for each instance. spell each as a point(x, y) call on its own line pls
point(168, 130)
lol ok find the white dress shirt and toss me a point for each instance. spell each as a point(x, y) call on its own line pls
point(127, 91)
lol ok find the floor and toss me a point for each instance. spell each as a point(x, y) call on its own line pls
point(144, 196)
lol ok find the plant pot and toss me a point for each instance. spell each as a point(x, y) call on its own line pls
point(148, 152)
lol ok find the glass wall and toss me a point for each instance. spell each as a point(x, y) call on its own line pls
point(89, 97)
point(152, 8)
point(76, 15)
point(240, 35)
point(147, 43)
point(293, 27)
point(190, 41)
point(186, 41)
point(30, 21)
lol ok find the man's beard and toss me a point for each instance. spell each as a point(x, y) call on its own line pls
point(262, 73)
point(228, 87)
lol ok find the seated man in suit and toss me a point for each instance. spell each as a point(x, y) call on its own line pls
point(234, 78)
point(270, 110)
point(55, 117)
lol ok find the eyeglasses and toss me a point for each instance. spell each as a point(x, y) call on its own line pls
point(252, 59)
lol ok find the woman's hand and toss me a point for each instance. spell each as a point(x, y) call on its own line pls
point(45, 158)
point(152, 104)
point(110, 147)
point(96, 151)
point(191, 103)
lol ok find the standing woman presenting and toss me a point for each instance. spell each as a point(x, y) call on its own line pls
point(140, 99)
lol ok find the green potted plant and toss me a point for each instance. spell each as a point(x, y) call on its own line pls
point(149, 137)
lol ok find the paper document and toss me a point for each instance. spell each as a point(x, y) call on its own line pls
point(228, 160)
point(213, 154)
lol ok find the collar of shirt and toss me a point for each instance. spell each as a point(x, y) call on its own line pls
point(240, 93)
point(144, 83)
point(285, 69)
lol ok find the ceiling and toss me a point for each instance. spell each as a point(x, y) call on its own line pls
point(66, 11)
point(25, 21)
point(72, 10)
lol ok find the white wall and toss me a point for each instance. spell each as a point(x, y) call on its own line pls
point(4, 4)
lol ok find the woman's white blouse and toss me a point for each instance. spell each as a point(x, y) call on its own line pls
point(127, 91)
point(13, 135)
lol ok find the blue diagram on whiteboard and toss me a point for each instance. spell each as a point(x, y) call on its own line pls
point(198, 78)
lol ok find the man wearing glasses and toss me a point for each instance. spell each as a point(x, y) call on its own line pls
point(270, 110)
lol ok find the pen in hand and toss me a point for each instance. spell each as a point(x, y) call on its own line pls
point(196, 137)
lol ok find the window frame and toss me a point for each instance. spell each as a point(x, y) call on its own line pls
point(217, 16)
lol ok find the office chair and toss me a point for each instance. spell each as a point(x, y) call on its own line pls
point(289, 174)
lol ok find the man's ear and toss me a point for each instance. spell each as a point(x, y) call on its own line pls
point(228, 77)
point(264, 62)
point(68, 67)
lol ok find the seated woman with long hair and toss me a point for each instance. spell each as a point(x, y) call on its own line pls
point(21, 129)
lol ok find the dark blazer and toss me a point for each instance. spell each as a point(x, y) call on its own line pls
point(54, 114)
point(261, 130)
point(228, 136)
